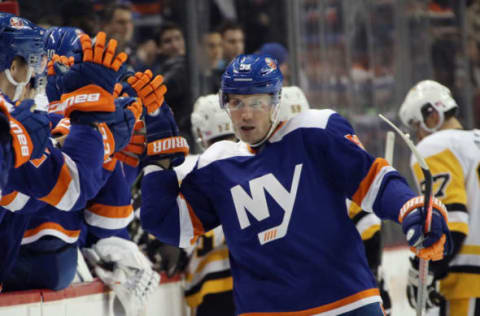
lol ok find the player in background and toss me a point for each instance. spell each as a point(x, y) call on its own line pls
point(209, 286)
point(279, 195)
point(453, 156)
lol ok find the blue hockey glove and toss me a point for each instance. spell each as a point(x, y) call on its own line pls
point(29, 131)
point(149, 89)
point(429, 246)
point(163, 140)
point(88, 86)
point(120, 123)
point(57, 67)
point(135, 149)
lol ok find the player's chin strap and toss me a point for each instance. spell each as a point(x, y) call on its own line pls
point(274, 120)
point(19, 86)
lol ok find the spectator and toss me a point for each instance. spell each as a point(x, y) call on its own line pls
point(118, 24)
point(280, 53)
point(212, 45)
point(173, 67)
point(213, 62)
point(80, 14)
point(233, 40)
point(145, 55)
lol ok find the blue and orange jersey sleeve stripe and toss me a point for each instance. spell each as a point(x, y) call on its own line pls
point(50, 229)
point(356, 300)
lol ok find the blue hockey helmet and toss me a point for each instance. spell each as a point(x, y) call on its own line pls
point(20, 37)
point(252, 74)
point(62, 40)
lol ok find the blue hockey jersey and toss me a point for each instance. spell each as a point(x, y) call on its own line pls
point(293, 248)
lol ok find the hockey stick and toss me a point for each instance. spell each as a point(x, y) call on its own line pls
point(427, 210)
point(389, 145)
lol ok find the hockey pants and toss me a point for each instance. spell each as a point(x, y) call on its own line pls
point(48, 263)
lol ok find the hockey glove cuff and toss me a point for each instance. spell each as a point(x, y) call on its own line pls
point(163, 140)
point(135, 148)
point(30, 130)
point(429, 246)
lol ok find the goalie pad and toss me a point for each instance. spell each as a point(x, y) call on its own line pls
point(120, 264)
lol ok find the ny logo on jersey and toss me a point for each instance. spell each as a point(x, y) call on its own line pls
point(257, 206)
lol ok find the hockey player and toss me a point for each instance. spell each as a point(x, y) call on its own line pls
point(294, 102)
point(453, 155)
point(66, 179)
point(279, 195)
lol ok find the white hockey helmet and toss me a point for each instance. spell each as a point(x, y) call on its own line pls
point(292, 102)
point(426, 93)
point(209, 120)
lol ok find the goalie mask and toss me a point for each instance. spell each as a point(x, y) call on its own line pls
point(292, 103)
point(253, 74)
point(209, 121)
point(425, 96)
point(20, 37)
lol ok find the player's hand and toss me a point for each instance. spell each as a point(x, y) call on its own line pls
point(434, 298)
point(62, 128)
point(88, 85)
point(30, 130)
point(57, 67)
point(136, 147)
point(163, 140)
point(150, 90)
point(128, 112)
point(433, 245)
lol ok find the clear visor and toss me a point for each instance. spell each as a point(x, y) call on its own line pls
point(255, 102)
point(38, 63)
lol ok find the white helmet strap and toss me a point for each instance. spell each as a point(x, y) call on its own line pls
point(19, 86)
point(273, 118)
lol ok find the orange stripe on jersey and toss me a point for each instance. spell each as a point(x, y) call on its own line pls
point(58, 191)
point(51, 225)
point(7, 199)
point(324, 308)
point(110, 164)
point(364, 186)
point(111, 211)
point(196, 223)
